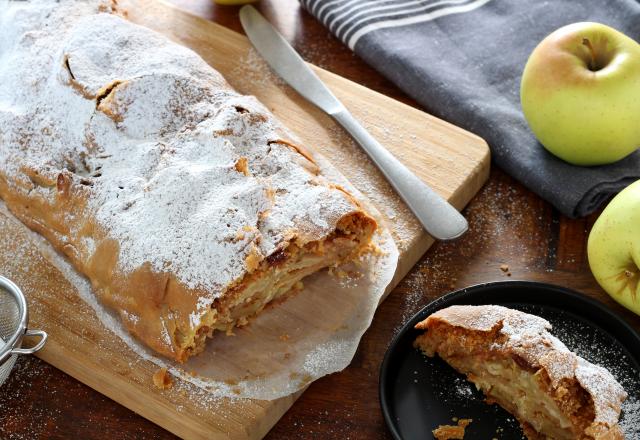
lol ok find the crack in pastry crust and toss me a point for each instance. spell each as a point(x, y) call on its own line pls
point(186, 204)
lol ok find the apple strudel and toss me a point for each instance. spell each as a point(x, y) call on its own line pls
point(186, 204)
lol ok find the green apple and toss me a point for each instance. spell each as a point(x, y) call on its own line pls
point(580, 94)
point(614, 248)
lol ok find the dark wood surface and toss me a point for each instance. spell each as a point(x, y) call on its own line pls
point(508, 225)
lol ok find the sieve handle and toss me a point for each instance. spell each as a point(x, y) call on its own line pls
point(38, 346)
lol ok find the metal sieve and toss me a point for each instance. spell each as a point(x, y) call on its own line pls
point(14, 317)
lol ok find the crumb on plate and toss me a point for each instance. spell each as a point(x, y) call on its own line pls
point(449, 432)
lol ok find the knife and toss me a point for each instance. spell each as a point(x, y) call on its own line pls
point(436, 215)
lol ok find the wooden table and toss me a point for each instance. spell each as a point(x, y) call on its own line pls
point(508, 225)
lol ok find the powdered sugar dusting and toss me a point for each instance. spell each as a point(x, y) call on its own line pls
point(154, 134)
point(630, 420)
point(603, 389)
point(324, 355)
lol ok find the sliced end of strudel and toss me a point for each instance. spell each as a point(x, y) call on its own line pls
point(272, 277)
point(518, 364)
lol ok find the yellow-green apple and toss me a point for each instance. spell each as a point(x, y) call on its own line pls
point(580, 94)
point(614, 248)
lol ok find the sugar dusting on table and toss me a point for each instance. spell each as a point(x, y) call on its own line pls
point(503, 222)
point(17, 389)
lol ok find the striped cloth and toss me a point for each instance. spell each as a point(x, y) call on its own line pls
point(463, 60)
point(351, 20)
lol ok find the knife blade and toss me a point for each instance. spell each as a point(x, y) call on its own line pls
point(436, 215)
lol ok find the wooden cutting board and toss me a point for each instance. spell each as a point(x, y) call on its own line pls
point(453, 161)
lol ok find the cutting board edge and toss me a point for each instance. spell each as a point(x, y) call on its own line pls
point(481, 143)
point(138, 400)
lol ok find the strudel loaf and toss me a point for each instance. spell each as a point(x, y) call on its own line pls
point(185, 203)
point(517, 363)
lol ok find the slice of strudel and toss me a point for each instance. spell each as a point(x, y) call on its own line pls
point(186, 204)
point(517, 363)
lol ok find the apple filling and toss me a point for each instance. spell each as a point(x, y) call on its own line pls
point(525, 393)
point(276, 276)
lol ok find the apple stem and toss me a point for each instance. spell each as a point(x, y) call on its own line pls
point(592, 52)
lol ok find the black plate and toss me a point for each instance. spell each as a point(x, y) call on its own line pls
point(418, 393)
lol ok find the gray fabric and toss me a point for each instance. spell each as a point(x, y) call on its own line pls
point(466, 68)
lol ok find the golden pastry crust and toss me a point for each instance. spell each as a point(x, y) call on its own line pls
point(517, 363)
point(187, 205)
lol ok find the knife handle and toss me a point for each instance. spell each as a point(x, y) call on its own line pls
point(436, 215)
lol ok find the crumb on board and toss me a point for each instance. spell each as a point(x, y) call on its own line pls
point(449, 432)
point(162, 379)
point(284, 337)
point(505, 268)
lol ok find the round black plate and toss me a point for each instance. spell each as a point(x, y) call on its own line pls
point(418, 393)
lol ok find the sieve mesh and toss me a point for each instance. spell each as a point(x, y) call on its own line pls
point(9, 315)
point(9, 321)
point(13, 321)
